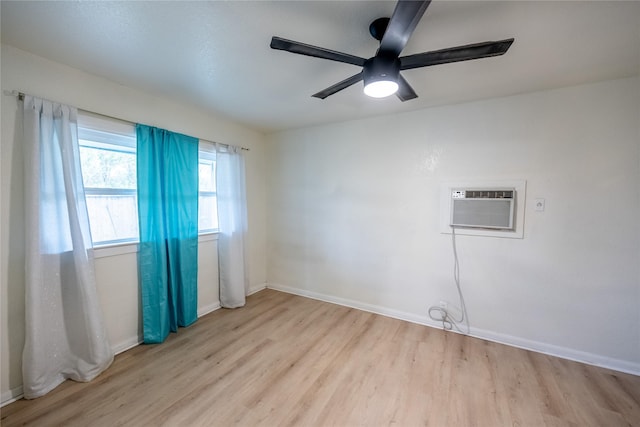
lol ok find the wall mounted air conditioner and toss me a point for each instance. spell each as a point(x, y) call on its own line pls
point(491, 208)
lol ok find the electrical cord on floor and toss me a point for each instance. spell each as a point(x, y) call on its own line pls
point(448, 320)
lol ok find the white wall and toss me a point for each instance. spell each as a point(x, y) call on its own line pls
point(116, 275)
point(353, 217)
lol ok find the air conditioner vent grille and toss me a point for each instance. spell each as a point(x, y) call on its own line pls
point(483, 194)
point(483, 208)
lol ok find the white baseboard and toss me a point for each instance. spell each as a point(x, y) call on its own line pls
point(559, 351)
point(208, 308)
point(11, 396)
point(523, 343)
point(127, 344)
point(257, 288)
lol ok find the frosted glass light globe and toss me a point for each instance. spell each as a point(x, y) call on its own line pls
point(381, 88)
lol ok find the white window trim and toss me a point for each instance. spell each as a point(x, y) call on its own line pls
point(209, 148)
point(107, 133)
point(117, 249)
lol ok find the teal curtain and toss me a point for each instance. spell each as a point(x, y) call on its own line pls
point(168, 217)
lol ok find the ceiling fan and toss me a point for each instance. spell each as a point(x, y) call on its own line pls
point(381, 73)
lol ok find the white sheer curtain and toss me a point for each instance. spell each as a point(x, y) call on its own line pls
point(65, 336)
point(232, 222)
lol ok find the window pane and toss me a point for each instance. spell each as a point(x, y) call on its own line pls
point(113, 218)
point(207, 209)
point(108, 160)
point(207, 213)
point(108, 168)
point(207, 175)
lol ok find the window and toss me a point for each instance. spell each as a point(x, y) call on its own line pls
point(108, 158)
point(207, 204)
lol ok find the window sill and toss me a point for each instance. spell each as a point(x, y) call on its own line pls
point(207, 237)
point(116, 249)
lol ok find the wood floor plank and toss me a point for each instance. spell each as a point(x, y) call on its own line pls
point(284, 360)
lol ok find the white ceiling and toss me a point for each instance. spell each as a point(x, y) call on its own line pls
point(216, 55)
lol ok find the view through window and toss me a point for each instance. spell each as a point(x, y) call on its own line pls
point(109, 175)
point(207, 204)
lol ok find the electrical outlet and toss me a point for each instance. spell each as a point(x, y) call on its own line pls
point(443, 305)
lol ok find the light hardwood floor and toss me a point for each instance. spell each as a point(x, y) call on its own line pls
point(288, 360)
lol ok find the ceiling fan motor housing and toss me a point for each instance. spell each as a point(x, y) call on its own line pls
point(381, 68)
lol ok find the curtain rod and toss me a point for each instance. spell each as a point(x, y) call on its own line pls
point(20, 96)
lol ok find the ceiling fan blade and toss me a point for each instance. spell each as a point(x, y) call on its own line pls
point(455, 54)
point(317, 52)
point(338, 86)
point(405, 91)
point(405, 17)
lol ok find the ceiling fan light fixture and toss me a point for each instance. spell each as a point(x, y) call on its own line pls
point(380, 76)
point(380, 88)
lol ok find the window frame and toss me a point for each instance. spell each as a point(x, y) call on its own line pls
point(207, 150)
point(110, 134)
point(102, 133)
